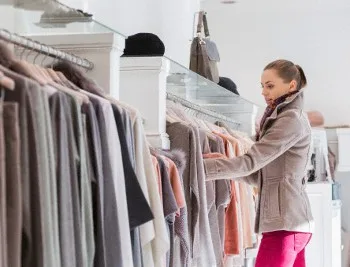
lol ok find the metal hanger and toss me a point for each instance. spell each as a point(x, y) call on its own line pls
point(198, 111)
point(31, 49)
point(37, 53)
point(45, 56)
point(54, 59)
point(26, 43)
point(24, 49)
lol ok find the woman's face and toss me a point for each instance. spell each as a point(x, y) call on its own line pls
point(274, 86)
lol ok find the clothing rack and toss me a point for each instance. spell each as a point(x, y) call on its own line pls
point(234, 124)
point(35, 46)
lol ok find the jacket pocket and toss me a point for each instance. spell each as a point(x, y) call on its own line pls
point(273, 200)
point(275, 168)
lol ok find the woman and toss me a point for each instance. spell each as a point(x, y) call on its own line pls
point(276, 164)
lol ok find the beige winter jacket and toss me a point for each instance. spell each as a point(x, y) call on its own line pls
point(276, 164)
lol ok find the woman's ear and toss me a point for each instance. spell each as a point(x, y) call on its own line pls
point(293, 86)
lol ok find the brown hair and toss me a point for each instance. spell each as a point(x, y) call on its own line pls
point(288, 71)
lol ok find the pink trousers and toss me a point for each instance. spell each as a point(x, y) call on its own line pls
point(282, 249)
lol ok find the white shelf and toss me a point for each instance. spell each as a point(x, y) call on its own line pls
point(339, 142)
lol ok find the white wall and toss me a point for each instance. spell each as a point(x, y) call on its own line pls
point(313, 33)
point(171, 20)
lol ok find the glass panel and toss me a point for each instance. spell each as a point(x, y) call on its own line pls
point(192, 87)
point(188, 84)
point(35, 17)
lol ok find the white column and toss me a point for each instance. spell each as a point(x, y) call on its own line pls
point(319, 251)
point(143, 85)
point(103, 49)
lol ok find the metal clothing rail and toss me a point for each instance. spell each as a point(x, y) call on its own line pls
point(201, 110)
point(26, 42)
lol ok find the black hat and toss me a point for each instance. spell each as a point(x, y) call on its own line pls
point(228, 84)
point(144, 44)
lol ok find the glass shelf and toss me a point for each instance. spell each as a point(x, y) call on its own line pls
point(27, 18)
point(194, 88)
point(186, 83)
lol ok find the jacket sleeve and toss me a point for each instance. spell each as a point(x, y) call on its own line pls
point(283, 134)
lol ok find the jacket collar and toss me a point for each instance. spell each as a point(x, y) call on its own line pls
point(293, 101)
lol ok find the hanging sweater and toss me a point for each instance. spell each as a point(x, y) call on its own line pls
point(187, 138)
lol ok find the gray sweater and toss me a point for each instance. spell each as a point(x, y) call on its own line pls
point(187, 139)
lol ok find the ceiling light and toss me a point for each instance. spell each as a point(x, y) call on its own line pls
point(228, 2)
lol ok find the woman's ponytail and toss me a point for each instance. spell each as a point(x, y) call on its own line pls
point(303, 80)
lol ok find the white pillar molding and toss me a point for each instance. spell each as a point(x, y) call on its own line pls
point(143, 85)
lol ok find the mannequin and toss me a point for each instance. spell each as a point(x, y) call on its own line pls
point(316, 118)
